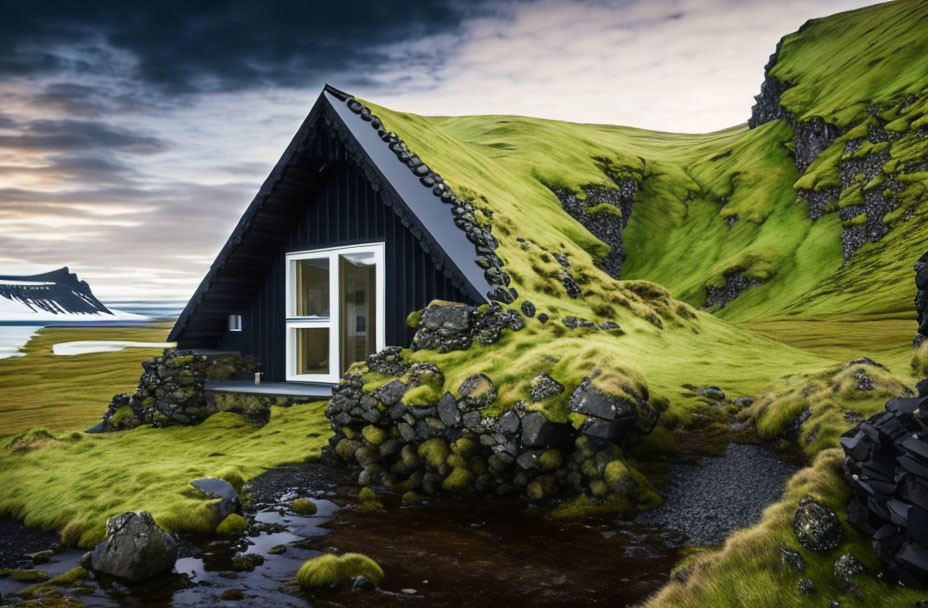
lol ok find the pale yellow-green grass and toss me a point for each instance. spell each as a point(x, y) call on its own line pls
point(61, 392)
point(73, 482)
point(747, 571)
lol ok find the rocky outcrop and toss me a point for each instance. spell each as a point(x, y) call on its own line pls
point(135, 549)
point(810, 138)
point(410, 435)
point(921, 299)
point(171, 391)
point(886, 465)
point(447, 326)
point(736, 283)
point(605, 213)
point(767, 105)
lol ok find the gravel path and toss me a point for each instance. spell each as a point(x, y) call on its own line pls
point(16, 540)
point(707, 500)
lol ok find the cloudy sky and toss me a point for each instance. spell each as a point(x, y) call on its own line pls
point(133, 135)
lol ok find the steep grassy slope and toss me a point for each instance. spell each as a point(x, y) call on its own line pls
point(733, 201)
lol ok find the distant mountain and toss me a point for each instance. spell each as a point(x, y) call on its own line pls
point(53, 296)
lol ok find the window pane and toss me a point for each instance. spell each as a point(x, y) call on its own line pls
point(357, 275)
point(312, 288)
point(312, 350)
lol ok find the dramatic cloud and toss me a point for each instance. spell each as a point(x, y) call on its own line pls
point(133, 135)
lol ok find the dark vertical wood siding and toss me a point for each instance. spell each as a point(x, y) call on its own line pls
point(344, 211)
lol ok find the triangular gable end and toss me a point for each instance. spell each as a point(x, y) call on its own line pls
point(411, 190)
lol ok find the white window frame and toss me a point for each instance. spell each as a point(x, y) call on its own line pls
point(332, 322)
point(235, 322)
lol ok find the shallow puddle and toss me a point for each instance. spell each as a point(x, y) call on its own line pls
point(450, 552)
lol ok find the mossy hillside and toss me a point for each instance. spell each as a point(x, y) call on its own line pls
point(720, 201)
point(73, 482)
point(70, 392)
point(822, 60)
point(747, 570)
point(828, 404)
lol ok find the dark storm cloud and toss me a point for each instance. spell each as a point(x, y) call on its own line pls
point(190, 47)
point(79, 135)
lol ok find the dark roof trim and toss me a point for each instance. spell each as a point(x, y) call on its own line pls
point(427, 218)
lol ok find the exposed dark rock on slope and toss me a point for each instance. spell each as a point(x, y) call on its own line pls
point(868, 187)
point(55, 292)
point(768, 107)
point(736, 283)
point(605, 213)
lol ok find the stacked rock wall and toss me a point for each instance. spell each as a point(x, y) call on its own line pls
point(410, 434)
point(886, 465)
point(171, 391)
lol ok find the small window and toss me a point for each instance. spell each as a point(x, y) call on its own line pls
point(235, 322)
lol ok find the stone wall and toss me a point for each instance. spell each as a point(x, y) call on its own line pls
point(410, 434)
point(171, 392)
point(886, 465)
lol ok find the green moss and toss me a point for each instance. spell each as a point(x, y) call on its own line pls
point(233, 525)
point(71, 578)
point(333, 570)
point(411, 498)
point(920, 361)
point(604, 208)
point(550, 459)
point(369, 499)
point(584, 506)
point(374, 434)
point(303, 506)
point(412, 321)
point(434, 452)
point(234, 477)
point(87, 478)
point(24, 576)
point(459, 480)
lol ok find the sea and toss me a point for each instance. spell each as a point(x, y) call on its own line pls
point(13, 336)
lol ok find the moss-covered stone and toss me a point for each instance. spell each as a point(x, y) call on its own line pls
point(434, 452)
point(459, 480)
point(330, 570)
point(373, 434)
point(303, 506)
point(233, 525)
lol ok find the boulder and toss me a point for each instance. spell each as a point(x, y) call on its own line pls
point(477, 391)
point(135, 549)
point(213, 487)
point(544, 386)
point(846, 568)
point(816, 526)
point(444, 326)
point(539, 432)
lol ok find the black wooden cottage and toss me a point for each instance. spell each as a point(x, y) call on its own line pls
point(344, 239)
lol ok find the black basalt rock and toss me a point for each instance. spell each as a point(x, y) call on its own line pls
point(921, 299)
point(817, 527)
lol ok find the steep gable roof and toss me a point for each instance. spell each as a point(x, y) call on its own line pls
point(410, 189)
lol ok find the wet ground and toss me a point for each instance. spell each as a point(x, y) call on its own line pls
point(454, 551)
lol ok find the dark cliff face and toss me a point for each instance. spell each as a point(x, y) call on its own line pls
point(921, 299)
point(56, 292)
point(604, 212)
point(767, 107)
